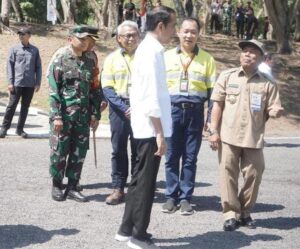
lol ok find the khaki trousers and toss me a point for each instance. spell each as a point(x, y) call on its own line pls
point(250, 162)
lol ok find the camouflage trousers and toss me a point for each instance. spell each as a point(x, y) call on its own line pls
point(68, 150)
point(227, 24)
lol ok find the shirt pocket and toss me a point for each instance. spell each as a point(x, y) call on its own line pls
point(20, 57)
point(232, 95)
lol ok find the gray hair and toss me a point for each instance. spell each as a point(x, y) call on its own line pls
point(127, 23)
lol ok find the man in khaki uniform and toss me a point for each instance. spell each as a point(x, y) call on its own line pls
point(244, 99)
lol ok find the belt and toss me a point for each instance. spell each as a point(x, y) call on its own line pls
point(185, 105)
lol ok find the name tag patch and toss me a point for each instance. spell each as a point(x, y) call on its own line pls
point(256, 102)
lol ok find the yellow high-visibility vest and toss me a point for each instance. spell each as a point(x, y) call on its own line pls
point(116, 72)
point(201, 72)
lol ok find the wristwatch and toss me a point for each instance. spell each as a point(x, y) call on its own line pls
point(212, 132)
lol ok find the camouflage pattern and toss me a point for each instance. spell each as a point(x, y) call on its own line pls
point(227, 16)
point(74, 101)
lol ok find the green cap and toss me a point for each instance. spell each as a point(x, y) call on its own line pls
point(85, 30)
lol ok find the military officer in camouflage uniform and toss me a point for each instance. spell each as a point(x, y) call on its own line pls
point(74, 107)
point(227, 15)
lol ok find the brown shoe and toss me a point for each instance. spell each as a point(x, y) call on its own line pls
point(116, 197)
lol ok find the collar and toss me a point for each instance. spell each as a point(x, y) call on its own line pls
point(241, 72)
point(157, 45)
point(23, 46)
point(195, 50)
point(124, 52)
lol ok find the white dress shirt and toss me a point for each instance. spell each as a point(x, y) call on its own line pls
point(149, 96)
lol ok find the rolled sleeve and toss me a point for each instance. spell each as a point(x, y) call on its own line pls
point(219, 92)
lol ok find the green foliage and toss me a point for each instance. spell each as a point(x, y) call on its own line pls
point(34, 10)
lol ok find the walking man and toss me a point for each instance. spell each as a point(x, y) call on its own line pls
point(151, 124)
point(191, 74)
point(74, 107)
point(24, 73)
point(116, 82)
point(244, 99)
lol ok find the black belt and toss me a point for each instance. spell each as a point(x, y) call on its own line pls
point(185, 105)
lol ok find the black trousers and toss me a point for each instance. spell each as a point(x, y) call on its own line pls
point(139, 199)
point(26, 93)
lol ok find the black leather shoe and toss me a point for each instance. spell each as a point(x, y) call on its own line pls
point(22, 133)
point(76, 196)
point(230, 225)
point(3, 133)
point(247, 222)
point(57, 194)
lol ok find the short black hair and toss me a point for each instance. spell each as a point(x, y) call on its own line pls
point(193, 19)
point(157, 15)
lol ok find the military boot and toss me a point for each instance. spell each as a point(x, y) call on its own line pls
point(57, 193)
point(72, 192)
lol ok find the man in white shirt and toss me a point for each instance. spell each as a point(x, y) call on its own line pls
point(151, 123)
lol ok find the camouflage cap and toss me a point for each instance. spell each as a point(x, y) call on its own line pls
point(85, 30)
point(24, 30)
point(253, 43)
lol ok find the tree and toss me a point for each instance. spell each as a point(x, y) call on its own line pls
point(17, 8)
point(297, 21)
point(279, 17)
point(179, 9)
point(68, 10)
point(5, 9)
point(112, 15)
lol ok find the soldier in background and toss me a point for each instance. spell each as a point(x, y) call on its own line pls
point(227, 15)
point(74, 107)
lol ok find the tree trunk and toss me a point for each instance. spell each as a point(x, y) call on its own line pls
point(197, 6)
point(279, 17)
point(113, 7)
point(18, 10)
point(98, 12)
point(5, 9)
point(206, 17)
point(68, 11)
point(297, 19)
point(179, 9)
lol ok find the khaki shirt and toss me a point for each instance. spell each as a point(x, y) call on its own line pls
point(247, 102)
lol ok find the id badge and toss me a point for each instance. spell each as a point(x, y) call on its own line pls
point(184, 86)
point(256, 102)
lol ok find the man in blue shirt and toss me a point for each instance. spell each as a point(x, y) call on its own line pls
point(24, 73)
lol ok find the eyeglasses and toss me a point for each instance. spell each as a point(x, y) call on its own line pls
point(128, 36)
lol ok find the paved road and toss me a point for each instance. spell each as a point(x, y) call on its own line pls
point(30, 219)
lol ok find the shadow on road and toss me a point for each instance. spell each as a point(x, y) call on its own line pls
point(266, 207)
point(287, 145)
point(18, 236)
point(281, 223)
point(216, 240)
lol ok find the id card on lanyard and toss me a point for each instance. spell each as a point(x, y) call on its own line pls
point(128, 88)
point(184, 79)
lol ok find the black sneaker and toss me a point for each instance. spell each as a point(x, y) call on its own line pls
point(3, 133)
point(22, 133)
point(186, 208)
point(169, 207)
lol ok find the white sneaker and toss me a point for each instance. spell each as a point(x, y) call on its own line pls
point(141, 244)
point(122, 238)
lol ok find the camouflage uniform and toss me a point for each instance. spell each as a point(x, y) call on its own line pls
point(227, 15)
point(73, 98)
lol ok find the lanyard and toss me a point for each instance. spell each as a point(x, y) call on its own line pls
point(186, 65)
point(127, 65)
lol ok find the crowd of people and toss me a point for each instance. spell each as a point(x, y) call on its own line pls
point(156, 100)
point(223, 12)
